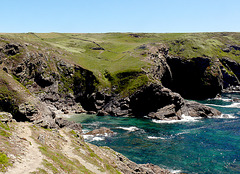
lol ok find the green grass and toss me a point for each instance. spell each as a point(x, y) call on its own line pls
point(121, 53)
point(3, 161)
point(50, 166)
point(66, 164)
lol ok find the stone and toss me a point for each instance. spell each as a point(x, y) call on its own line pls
point(195, 109)
point(101, 131)
point(11, 49)
point(153, 97)
point(70, 124)
point(48, 123)
point(102, 113)
point(41, 138)
point(97, 48)
point(5, 69)
point(167, 112)
point(28, 109)
point(5, 117)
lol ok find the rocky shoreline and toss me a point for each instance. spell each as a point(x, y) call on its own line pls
point(31, 143)
point(37, 85)
point(49, 93)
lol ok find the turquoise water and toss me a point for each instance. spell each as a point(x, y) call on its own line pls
point(192, 146)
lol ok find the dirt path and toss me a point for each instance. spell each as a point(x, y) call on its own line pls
point(32, 159)
point(68, 150)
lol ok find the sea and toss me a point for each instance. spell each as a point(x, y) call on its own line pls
point(191, 145)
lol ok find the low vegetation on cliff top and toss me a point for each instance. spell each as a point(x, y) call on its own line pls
point(109, 55)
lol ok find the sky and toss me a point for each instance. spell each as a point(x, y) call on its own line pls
point(102, 16)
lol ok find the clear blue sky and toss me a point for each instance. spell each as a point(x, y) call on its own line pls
point(100, 16)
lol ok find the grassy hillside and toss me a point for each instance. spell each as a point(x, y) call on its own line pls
point(28, 148)
point(109, 55)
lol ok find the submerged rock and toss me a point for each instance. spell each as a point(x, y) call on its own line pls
point(101, 131)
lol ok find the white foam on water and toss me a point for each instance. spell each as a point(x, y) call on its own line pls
point(155, 138)
point(84, 131)
point(185, 132)
point(130, 129)
point(88, 137)
point(184, 119)
point(175, 171)
point(233, 105)
point(222, 99)
point(226, 99)
point(225, 116)
point(98, 138)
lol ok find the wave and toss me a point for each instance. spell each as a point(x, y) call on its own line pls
point(233, 105)
point(222, 99)
point(184, 119)
point(225, 116)
point(97, 137)
point(185, 132)
point(84, 131)
point(175, 171)
point(155, 138)
point(130, 129)
point(91, 138)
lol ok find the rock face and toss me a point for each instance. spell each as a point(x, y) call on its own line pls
point(197, 78)
point(230, 71)
point(155, 99)
point(157, 102)
point(61, 86)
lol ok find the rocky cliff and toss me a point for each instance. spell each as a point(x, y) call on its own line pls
point(61, 86)
point(42, 77)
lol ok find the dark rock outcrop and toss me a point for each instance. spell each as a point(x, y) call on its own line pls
point(230, 48)
point(192, 78)
point(11, 49)
point(196, 78)
point(156, 102)
point(62, 86)
point(70, 124)
point(65, 87)
point(230, 71)
point(29, 110)
point(154, 97)
point(195, 109)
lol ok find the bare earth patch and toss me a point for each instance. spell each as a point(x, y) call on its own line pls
point(32, 158)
